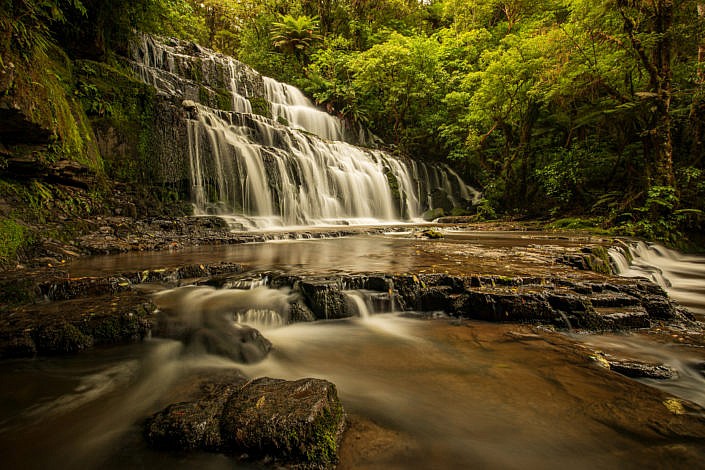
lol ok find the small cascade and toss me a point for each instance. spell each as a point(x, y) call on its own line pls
point(294, 167)
point(365, 303)
point(682, 276)
point(358, 303)
point(290, 106)
point(261, 319)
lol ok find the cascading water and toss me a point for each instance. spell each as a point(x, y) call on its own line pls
point(682, 276)
point(259, 173)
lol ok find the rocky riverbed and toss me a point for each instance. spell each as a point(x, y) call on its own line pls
point(554, 282)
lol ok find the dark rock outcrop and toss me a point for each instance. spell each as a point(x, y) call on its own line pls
point(616, 304)
point(642, 370)
point(75, 325)
point(296, 423)
point(325, 298)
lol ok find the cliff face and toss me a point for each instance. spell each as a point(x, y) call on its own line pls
point(79, 139)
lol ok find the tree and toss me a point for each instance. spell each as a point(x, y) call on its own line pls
point(295, 35)
point(399, 81)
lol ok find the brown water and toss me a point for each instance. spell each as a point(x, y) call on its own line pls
point(420, 393)
point(459, 252)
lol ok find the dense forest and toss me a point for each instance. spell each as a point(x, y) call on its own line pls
point(589, 111)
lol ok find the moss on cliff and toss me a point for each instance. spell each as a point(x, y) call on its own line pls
point(40, 93)
point(122, 112)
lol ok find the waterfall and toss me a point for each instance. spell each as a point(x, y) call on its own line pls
point(682, 276)
point(295, 166)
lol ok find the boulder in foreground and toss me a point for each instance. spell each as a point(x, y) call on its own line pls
point(297, 423)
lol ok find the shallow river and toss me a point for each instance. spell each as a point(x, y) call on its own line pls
point(420, 393)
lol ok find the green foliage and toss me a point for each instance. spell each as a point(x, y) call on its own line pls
point(576, 223)
point(27, 24)
point(295, 35)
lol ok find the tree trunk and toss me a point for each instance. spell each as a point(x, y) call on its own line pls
point(658, 143)
point(697, 109)
point(663, 155)
point(701, 45)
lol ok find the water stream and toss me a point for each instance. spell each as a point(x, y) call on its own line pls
point(682, 276)
point(420, 393)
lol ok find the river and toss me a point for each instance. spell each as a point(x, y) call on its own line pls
point(419, 392)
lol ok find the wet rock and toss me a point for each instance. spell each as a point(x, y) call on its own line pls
point(325, 298)
point(436, 298)
point(507, 306)
point(239, 343)
point(299, 312)
point(296, 423)
point(431, 234)
point(590, 258)
point(642, 370)
point(407, 288)
point(659, 308)
point(456, 283)
point(568, 302)
point(195, 422)
point(432, 214)
point(60, 338)
point(299, 421)
point(376, 282)
point(72, 326)
point(63, 288)
point(632, 318)
point(612, 300)
point(186, 426)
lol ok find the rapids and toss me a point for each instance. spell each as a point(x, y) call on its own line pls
point(682, 276)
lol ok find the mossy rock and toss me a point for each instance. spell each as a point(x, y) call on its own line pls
point(294, 421)
point(60, 338)
point(297, 424)
point(433, 214)
point(260, 106)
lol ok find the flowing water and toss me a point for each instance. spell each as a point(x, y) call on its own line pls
point(259, 173)
point(682, 276)
point(420, 393)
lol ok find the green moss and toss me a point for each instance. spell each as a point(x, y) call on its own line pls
point(433, 214)
point(393, 185)
point(260, 106)
point(459, 212)
point(432, 234)
point(43, 90)
point(599, 260)
point(323, 450)
point(195, 73)
point(123, 109)
point(13, 236)
point(219, 99)
point(577, 223)
point(61, 338)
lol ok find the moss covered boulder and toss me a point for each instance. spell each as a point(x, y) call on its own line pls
point(294, 423)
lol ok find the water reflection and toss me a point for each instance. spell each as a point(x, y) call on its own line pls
point(459, 252)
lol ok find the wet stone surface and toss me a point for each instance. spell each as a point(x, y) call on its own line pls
point(294, 423)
